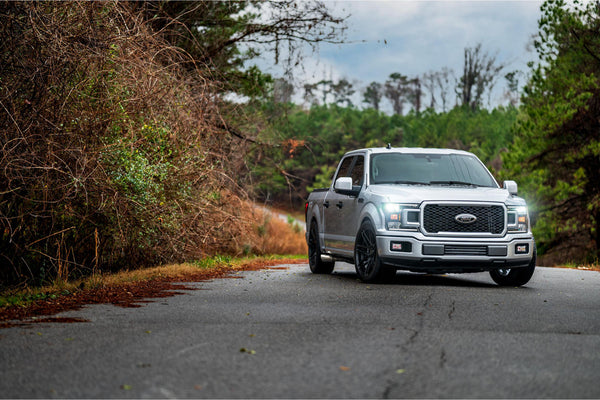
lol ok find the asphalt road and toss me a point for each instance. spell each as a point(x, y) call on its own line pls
point(288, 333)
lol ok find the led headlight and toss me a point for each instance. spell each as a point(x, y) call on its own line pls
point(401, 216)
point(518, 219)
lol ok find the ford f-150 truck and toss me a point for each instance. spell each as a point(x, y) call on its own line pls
point(421, 210)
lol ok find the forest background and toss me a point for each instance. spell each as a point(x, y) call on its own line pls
point(137, 134)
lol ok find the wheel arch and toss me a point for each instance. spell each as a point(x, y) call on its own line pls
point(313, 213)
point(370, 213)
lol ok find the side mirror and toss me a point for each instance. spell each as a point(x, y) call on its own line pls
point(511, 186)
point(344, 186)
point(344, 183)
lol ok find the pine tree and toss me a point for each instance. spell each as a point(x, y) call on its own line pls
point(556, 152)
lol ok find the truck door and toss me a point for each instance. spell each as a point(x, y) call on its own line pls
point(341, 210)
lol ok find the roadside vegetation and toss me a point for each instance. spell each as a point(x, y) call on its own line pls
point(555, 155)
point(116, 149)
point(125, 288)
point(138, 134)
point(208, 267)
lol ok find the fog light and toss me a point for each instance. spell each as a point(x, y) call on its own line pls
point(405, 247)
point(522, 248)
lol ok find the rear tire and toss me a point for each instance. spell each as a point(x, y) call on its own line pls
point(317, 266)
point(367, 263)
point(515, 276)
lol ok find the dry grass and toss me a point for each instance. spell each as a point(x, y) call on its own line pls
point(181, 271)
point(262, 238)
point(207, 268)
point(556, 259)
point(281, 237)
point(117, 154)
point(587, 267)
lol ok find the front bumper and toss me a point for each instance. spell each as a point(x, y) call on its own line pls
point(447, 255)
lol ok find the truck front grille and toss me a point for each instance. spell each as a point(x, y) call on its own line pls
point(458, 250)
point(441, 218)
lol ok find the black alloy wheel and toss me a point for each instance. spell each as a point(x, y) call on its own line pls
point(367, 263)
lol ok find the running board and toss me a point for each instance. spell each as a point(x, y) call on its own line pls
point(333, 258)
point(326, 258)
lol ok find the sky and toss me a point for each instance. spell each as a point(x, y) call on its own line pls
point(415, 37)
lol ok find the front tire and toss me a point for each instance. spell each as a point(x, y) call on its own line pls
point(367, 263)
point(515, 276)
point(317, 266)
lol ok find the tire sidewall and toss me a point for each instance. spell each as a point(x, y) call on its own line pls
point(313, 262)
point(376, 271)
point(517, 276)
point(317, 266)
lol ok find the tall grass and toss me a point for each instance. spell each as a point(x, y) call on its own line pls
point(280, 237)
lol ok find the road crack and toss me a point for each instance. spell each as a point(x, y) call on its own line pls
point(421, 323)
point(390, 386)
point(452, 309)
point(443, 358)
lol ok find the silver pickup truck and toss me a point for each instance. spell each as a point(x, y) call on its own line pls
point(422, 210)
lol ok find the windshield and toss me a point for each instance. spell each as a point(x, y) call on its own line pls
point(429, 169)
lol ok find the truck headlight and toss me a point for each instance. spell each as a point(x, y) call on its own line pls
point(518, 219)
point(401, 216)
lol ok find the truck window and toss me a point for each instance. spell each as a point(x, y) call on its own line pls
point(358, 171)
point(344, 168)
point(428, 168)
point(353, 167)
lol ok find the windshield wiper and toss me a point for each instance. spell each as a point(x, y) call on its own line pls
point(403, 182)
point(452, 183)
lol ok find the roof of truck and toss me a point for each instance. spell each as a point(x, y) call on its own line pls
point(410, 150)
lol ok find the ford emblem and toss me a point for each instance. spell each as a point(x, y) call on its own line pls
point(465, 218)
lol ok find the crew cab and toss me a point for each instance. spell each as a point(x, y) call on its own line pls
point(421, 210)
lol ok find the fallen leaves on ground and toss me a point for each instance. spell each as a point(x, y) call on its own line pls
point(129, 294)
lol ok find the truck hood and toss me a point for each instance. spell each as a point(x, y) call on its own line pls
point(417, 194)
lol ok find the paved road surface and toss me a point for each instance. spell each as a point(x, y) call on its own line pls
point(323, 336)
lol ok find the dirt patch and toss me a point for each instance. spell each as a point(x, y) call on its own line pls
point(131, 294)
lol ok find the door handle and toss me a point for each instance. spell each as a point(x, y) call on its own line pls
point(339, 205)
point(326, 204)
